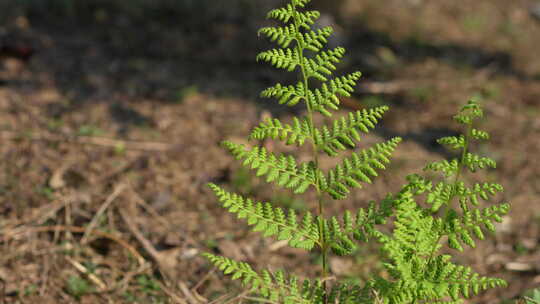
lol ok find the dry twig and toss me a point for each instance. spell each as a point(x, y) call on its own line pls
point(117, 191)
point(75, 229)
point(91, 276)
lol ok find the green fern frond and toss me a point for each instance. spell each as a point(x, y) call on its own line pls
point(289, 95)
point(348, 294)
point(297, 133)
point(415, 231)
point(300, 3)
point(448, 168)
point(470, 112)
point(327, 96)
point(287, 59)
point(440, 195)
point(474, 162)
point(338, 240)
point(359, 167)
point(314, 40)
point(360, 227)
point(283, 36)
point(455, 280)
point(345, 131)
point(271, 221)
point(462, 228)
point(285, 14)
point(470, 195)
point(274, 286)
point(323, 63)
point(454, 142)
point(479, 134)
point(281, 169)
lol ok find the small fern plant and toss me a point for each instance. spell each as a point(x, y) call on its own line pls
point(418, 272)
point(450, 210)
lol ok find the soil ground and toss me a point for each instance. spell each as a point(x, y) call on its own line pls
point(110, 132)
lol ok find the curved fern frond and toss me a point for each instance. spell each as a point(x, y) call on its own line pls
point(453, 142)
point(458, 142)
point(460, 229)
point(287, 59)
point(274, 286)
point(444, 192)
point(469, 113)
point(474, 162)
point(448, 168)
point(339, 240)
point(479, 134)
point(453, 280)
point(440, 195)
point(327, 95)
point(271, 221)
point(415, 231)
point(280, 169)
point(323, 64)
point(289, 95)
point(285, 14)
point(314, 40)
point(470, 195)
point(360, 226)
point(359, 167)
point(307, 18)
point(441, 280)
point(345, 131)
point(283, 36)
point(343, 293)
point(297, 133)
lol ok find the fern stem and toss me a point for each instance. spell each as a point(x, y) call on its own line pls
point(315, 153)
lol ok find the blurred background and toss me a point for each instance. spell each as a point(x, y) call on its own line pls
point(111, 113)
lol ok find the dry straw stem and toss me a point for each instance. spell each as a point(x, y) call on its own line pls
point(102, 287)
point(117, 191)
point(8, 235)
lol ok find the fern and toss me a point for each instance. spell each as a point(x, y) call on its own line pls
point(423, 214)
point(418, 272)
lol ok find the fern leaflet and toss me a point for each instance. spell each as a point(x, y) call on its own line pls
point(271, 220)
